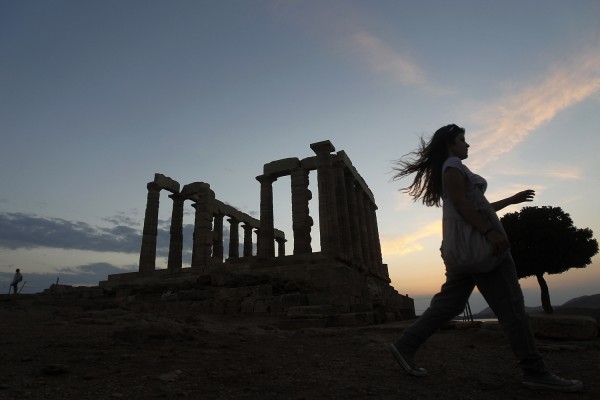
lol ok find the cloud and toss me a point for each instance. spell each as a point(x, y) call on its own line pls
point(562, 172)
point(122, 218)
point(334, 24)
point(511, 119)
point(405, 244)
point(385, 60)
point(28, 231)
point(19, 230)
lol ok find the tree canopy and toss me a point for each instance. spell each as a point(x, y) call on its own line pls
point(544, 240)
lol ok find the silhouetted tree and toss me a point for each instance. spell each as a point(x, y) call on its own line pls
point(544, 240)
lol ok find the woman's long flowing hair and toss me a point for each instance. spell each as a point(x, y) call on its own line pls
point(427, 163)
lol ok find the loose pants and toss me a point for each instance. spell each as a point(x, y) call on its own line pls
point(500, 288)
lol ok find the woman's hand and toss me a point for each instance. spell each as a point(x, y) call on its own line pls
point(521, 197)
point(498, 241)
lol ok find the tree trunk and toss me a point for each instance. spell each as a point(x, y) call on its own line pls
point(546, 305)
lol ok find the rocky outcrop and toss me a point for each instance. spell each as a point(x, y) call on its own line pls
point(567, 327)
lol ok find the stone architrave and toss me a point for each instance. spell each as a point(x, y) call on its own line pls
point(201, 251)
point(217, 250)
point(234, 238)
point(327, 206)
point(148, 250)
point(301, 220)
point(247, 240)
point(266, 233)
point(176, 241)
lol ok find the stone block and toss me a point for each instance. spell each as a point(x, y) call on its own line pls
point(276, 306)
point(390, 317)
point(166, 183)
point(195, 294)
point(361, 307)
point(282, 167)
point(231, 306)
point(310, 312)
point(195, 187)
point(247, 305)
point(354, 319)
point(218, 307)
point(290, 324)
point(293, 300)
point(262, 305)
point(205, 306)
point(568, 327)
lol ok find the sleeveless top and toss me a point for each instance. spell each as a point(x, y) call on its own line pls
point(456, 247)
point(472, 182)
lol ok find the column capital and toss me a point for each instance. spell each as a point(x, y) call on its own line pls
point(153, 187)
point(266, 179)
point(322, 147)
point(177, 197)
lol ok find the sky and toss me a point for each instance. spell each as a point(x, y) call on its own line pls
point(98, 96)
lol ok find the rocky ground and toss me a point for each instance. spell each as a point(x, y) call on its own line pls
point(54, 349)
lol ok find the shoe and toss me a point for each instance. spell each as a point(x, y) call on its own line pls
point(552, 382)
point(404, 362)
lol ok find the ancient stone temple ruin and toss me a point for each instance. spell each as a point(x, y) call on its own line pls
point(345, 283)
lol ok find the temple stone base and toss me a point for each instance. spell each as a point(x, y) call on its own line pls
point(305, 290)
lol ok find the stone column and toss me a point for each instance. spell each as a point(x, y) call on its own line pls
point(280, 246)
point(217, 250)
point(176, 242)
point(234, 238)
point(375, 243)
point(327, 207)
point(344, 236)
point(148, 250)
point(354, 220)
point(266, 233)
point(203, 229)
point(301, 220)
point(368, 239)
point(247, 240)
point(362, 225)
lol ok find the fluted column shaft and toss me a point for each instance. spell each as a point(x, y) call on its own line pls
point(354, 219)
point(234, 238)
point(247, 240)
point(266, 233)
point(176, 241)
point(280, 246)
point(375, 243)
point(203, 229)
point(344, 235)
point(148, 250)
point(301, 220)
point(327, 207)
point(217, 250)
point(362, 223)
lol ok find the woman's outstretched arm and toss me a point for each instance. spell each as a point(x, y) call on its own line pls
point(521, 197)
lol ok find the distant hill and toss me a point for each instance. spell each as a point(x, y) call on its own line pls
point(592, 301)
point(587, 305)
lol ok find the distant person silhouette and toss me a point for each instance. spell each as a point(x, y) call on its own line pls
point(15, 282)
point(441, 177)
